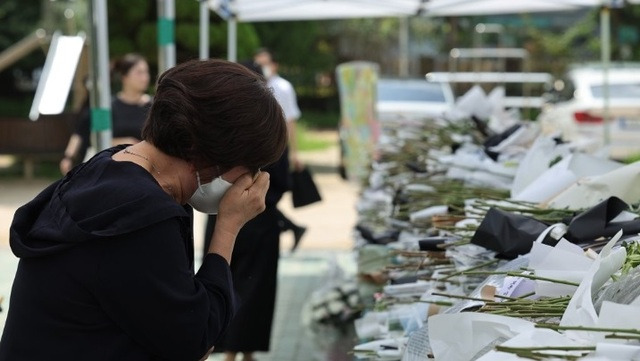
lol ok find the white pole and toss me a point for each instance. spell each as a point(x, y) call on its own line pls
point(166, 35)
point(403, 59)
point(204, 29)
point(605, 33)
point(101, 92)
point(232, 39)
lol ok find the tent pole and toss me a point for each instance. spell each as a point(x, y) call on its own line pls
point(403, 58)
point(100, 96)
point(204, 29)
point(605, 50)
point(166, 35)
point(232, 39)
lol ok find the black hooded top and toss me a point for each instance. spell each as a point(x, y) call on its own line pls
point(106, 272)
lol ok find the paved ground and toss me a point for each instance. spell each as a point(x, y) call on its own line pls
point(327, 242)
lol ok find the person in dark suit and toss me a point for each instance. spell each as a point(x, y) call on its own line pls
point(254, 266)
point(106, 267)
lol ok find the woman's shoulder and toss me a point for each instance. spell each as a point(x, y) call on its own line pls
point(110, 189)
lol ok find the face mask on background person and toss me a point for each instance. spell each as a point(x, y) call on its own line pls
point(267, 71)
point(206, 198)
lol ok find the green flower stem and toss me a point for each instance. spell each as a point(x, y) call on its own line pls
point(545, 348)
point(516, 298)
point(622, 337)
point(363, 352)
point(584, 328)
point(482, 265)
point(454, 244)
point(461, 297)
point(438, 280)
point(439, 303)
point(535, 315)
point(542, 353)
point(415, 266)
point(498, 311)
point(516, 274)
point(421, 254)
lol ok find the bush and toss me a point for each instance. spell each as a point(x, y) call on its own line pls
point(320, 120)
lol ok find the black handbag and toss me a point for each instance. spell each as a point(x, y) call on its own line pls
point(303, 188)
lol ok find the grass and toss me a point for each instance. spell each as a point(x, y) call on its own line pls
point(310, 127)
point(632, 159)
point(320, 120)
point(310, 140)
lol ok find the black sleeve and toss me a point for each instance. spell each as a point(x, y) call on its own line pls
point(280, 179)
point(146, 286)
point(83, 129)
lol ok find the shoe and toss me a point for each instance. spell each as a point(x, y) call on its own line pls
point(298, 232)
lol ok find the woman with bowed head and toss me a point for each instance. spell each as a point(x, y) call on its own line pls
point(106, 254)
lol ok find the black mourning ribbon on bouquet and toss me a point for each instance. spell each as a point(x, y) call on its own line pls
point(597, 222)
point(508, 234)
point(496, 139)
point(433, 243)
point(382, 238)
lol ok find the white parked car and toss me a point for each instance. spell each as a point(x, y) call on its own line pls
point(576, 109)
point(413, 98)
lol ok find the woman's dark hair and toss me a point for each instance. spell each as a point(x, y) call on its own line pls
point(122, 65)
point(215, 112)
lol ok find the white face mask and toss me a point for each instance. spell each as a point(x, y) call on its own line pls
point(206, 198)
point(267, 71)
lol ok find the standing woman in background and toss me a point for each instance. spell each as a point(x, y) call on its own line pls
point(130, 105)
point(128, 110)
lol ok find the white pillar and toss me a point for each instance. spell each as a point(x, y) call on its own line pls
point(403, 47)
point(232, 39)
point(101, 92)
point(204, 29)
point(605, 50)
point(166, 35)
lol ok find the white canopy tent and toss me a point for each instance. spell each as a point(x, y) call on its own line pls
point(495, 7)
point(284, 10)
point(287, 10)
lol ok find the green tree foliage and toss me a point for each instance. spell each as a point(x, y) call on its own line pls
point(17, 19)
point(627, 33)
point(304, 50)
point(134, 28)
point(552, 50)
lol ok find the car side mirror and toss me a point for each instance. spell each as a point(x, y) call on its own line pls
point(551, 97)
point(553, 92)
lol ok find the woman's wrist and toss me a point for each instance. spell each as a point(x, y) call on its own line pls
point(223, 240)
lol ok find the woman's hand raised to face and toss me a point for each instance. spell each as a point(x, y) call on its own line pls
point(244, 200)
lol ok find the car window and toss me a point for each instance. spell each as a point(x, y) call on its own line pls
point(410, 92)
point(620, 91)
